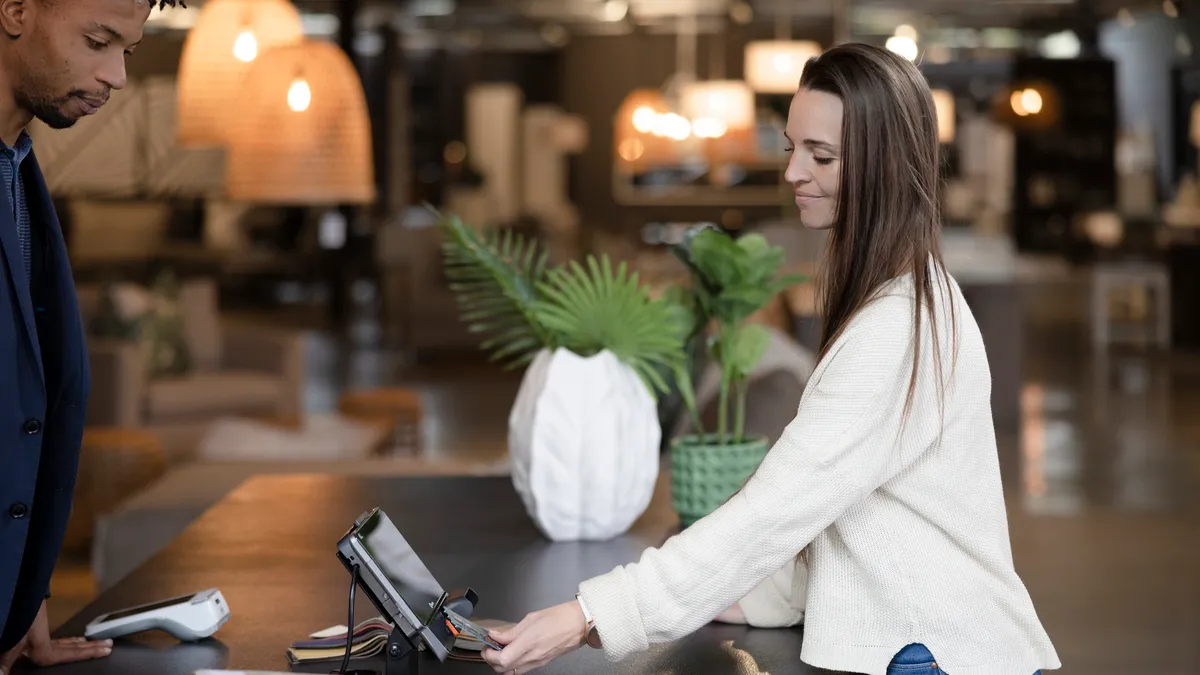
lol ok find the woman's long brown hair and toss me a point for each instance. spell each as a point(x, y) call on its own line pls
point(887, 219)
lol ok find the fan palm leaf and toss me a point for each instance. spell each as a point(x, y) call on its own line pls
point(594, 308)
point(495, 277)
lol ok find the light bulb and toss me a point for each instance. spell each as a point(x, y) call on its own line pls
point(299, 95)
point(709, 127)
point(1031, 100)
point(245, 47)
point(643, 119)
point(902, 45)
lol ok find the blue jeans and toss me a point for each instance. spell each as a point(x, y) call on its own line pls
point(915, 659)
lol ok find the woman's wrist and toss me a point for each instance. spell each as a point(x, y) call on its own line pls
point(588, 636)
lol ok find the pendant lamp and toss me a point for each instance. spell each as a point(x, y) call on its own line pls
point(775, 66)
point(729, 102)
point(647, 132)
point(229, 36)
point(301, 135)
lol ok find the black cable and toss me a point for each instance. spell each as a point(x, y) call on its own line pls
point(350, 621)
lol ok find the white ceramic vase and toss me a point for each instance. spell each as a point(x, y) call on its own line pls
point(583, 437)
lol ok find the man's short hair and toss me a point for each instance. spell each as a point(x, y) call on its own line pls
point(163, 4)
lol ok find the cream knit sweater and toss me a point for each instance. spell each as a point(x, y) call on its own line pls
point(907, 522)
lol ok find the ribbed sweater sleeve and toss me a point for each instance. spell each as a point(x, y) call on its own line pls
point(833, 454)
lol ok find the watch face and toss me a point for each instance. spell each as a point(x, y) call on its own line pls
point(593, 638)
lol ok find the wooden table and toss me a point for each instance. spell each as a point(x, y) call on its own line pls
point(269, 546)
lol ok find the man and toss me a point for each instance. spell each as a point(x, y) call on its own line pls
point(59, 61)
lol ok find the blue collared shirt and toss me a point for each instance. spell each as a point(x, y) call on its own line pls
point(10, 172)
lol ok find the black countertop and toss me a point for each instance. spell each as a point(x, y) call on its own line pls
point(269, 547)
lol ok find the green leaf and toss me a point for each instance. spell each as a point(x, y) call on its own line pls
point(594, 307)
point(747, 347)
point(494, 276)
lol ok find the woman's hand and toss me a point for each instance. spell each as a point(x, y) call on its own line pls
point(540, 638)
point(732, 615)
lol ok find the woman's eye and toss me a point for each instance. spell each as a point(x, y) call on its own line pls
point(789, 149)
point(823, 161)
point(96, 44)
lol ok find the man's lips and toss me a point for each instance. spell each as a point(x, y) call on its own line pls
point(91, 105)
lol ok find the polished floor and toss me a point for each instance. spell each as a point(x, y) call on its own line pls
point(1102, 477)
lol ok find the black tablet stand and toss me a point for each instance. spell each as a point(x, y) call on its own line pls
point(403, 657)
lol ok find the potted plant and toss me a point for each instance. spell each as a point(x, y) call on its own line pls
point(584, 435)
point(731, 280)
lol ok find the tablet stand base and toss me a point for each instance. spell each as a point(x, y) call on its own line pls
point(401, 658)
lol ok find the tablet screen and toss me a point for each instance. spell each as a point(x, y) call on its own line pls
point(400, 564)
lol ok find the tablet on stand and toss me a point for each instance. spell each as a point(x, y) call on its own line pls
point(405, 592)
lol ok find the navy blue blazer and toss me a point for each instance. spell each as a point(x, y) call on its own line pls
point(44, 383)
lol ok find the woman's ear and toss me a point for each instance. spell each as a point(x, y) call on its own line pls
point(14, 17)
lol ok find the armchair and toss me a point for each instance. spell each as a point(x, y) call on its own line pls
point(238, 370)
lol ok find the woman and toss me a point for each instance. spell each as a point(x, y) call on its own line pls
point(887, 482)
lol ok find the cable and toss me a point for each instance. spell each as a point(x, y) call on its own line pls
point(350, 621)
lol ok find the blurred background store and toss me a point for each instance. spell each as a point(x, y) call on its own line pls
point(308, 267)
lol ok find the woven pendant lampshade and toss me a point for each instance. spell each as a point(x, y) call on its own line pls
point(227, 39)
point(302, 135)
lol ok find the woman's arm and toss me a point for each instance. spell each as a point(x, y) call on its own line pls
point(779, 601)
point(835, 452)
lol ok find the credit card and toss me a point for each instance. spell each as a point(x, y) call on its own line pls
point(459, 624)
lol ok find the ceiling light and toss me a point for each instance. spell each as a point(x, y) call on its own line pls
point(1062, 45)
point(904, 46)
point(615, 10)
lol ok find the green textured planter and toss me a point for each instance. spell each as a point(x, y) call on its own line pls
point(704, 473)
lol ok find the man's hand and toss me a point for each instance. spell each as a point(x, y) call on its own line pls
point(43, 651)
point(539, 639)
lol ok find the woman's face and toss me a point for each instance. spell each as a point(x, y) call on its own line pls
point(814, 135)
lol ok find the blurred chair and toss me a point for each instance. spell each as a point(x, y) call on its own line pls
point(1140, 281)
point(1128, 265)
point(237, 370)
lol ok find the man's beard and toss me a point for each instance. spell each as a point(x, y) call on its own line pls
point(48, 110)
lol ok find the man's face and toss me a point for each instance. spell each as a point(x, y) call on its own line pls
point(70, 54)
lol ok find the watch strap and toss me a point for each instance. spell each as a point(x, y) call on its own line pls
point(592, 638)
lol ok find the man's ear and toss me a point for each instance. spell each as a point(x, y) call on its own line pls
point(14, 17)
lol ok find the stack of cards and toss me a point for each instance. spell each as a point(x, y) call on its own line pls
point(370, 638)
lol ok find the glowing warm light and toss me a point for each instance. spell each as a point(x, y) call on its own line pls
point(906, 31)
point(709, 127)
point(1018, 107)
point(615, 10)
point(673, 126)
point(631, 149)
point(902, 45)
point(643, 119)
point(302, 135)
point(730, 101)
point(228, 39)
point(775, 66)
point(299, 95)
point(943, 102)
point(245, 47)
point(1031, 100)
